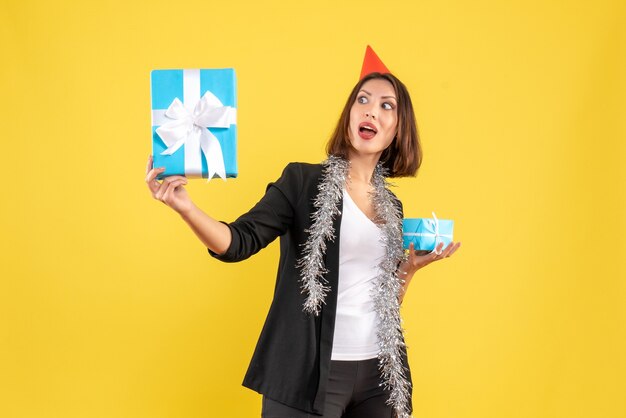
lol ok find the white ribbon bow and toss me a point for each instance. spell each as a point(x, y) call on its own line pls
point(188, 124)
point(432, 226)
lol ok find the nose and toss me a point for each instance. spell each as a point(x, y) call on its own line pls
point(370, 113)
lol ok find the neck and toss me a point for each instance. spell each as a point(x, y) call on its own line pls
point(362, 167)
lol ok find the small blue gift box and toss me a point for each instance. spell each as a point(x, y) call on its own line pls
point(194, 128)
point(426, 233)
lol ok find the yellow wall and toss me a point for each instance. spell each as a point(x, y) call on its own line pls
point(110, 307)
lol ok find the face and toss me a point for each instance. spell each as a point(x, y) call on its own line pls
point(373, 118)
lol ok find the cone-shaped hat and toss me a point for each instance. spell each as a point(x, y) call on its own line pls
point(372, 64)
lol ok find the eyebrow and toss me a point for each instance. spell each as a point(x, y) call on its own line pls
point(384, 97)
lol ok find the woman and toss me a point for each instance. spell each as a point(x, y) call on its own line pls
point(333, 333)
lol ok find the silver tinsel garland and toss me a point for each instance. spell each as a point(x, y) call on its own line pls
point(386, 302)
point(311, 265)
point(388, 284)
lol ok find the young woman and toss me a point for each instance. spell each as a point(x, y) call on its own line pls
point(332, 343)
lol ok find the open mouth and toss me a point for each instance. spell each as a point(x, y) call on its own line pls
point(367, 130)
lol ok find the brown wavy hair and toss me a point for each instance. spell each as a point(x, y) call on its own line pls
point(404, 156)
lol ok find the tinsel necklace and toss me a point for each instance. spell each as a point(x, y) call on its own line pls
point(387, 283)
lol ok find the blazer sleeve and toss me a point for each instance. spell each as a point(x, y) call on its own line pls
point(270, 218)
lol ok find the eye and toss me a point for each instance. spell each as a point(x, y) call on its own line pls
point(362, 99)
point(387, 106)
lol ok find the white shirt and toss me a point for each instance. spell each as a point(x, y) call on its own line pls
point(360, 252)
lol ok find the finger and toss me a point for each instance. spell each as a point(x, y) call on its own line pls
point(149, 165)
point(163, 188)
point(171, 189)
point(153, 172)
point(167, 185)
point(172, 178)
point(415, 256)
point(154, 186)
point(151, 175)
point(446, 251)
point(151, 180)
point(433, 256)
point(456, 247)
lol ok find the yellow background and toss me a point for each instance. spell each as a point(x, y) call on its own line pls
point(109, 305)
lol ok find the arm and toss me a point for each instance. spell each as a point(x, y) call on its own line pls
point(214, 235)
point(254, 230)
point(171, 192)
point(270, 218)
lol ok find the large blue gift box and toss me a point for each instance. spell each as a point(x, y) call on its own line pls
point(194, 128)
point(426, 233)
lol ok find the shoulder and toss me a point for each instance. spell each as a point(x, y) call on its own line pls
point(393, 196)
point(396, 201)
point(304, 169)
point(299, 174)
point(298, 180)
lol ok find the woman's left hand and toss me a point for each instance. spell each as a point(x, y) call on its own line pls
point(416, 262)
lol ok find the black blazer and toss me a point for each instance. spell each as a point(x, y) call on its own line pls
point(292, 357)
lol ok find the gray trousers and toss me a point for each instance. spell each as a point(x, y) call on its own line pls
point(354, 391)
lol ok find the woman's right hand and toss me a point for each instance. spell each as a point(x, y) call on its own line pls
point(169, 191)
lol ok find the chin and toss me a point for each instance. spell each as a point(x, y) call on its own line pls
point(366, 151)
